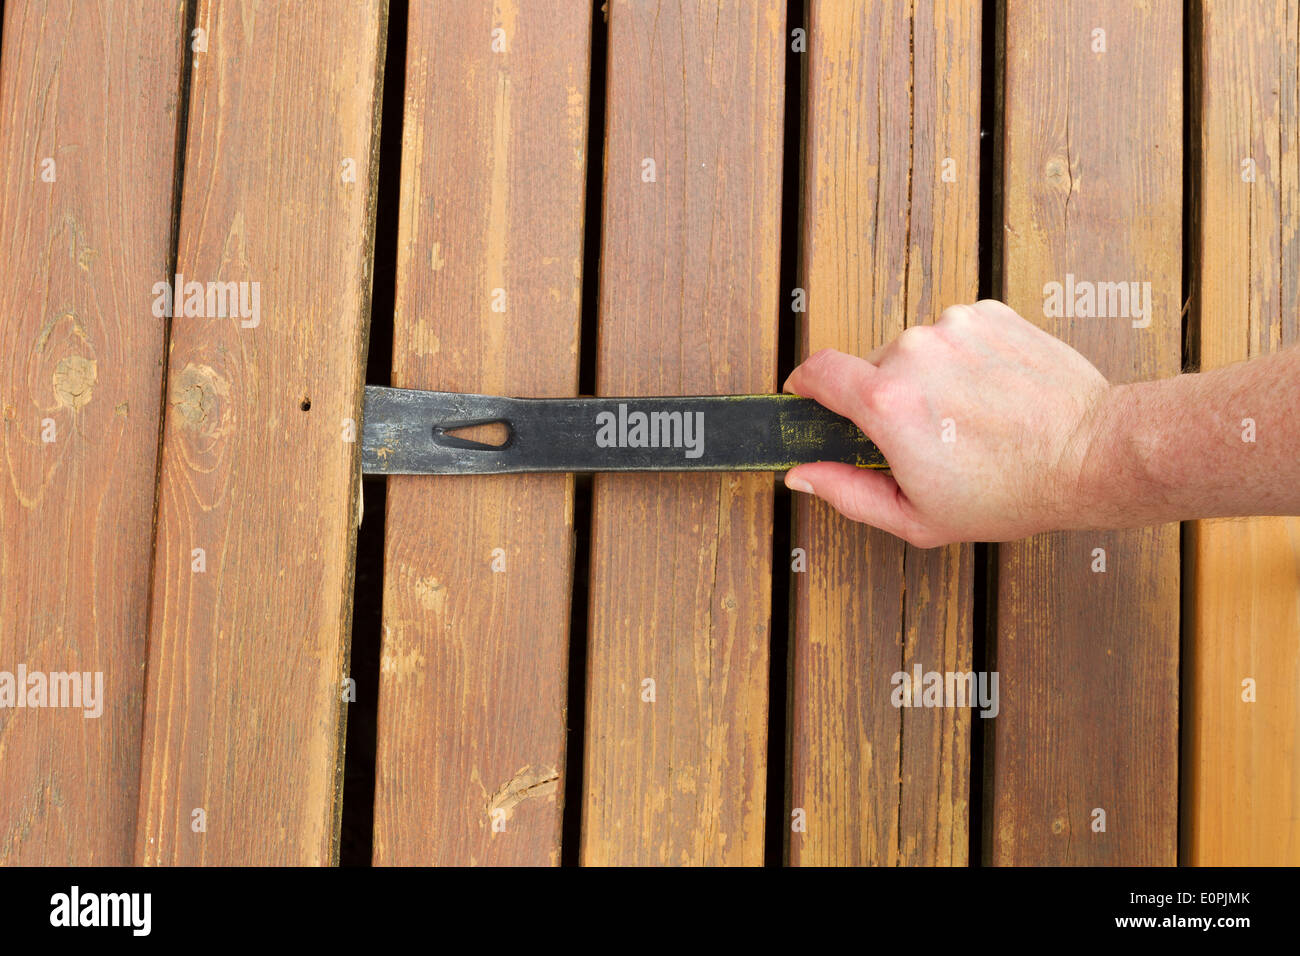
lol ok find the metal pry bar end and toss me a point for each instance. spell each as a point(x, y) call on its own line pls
point(410, 432)
point(405, 432)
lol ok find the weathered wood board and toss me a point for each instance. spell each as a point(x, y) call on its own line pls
point(257, 504)
point(180, 496)
point(675, 770)
point(1088, 659)
point(88, 126)
point(1241, 778)
point(891, 202)
point(478, 570)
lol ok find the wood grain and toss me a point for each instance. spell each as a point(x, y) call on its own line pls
point(1241, 777)
point(681, 564)
point(892, 103)
point(92, 89)
point(473, 676)
point(244, 715)
point(1088, 661)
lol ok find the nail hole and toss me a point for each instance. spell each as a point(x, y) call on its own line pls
point(306, 404)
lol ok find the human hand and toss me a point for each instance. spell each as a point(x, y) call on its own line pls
point(986, 421)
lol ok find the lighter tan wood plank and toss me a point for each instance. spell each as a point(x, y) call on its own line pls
point(893, 109)
point(1241, 777)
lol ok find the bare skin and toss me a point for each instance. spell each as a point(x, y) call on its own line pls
point(995, 430)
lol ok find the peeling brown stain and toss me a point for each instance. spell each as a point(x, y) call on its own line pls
point(79, 250)
point(74, 380)
point(432, 593)
point(526, 784)
point(78, 329)
point(195, 393)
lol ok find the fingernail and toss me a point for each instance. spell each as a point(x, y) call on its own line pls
point(798, 484)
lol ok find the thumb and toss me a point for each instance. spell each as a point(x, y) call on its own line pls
point(861, 494)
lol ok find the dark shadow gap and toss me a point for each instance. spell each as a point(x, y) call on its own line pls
point(576, 709)
point(1193, 98)
point(1192, 88)
point(787, 330)
point(776, 848)
point(173, 254)
point(356, 842)
point(984, 582)
point(594, 208)
point(776, 844)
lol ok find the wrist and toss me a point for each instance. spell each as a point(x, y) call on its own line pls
point(1122, 480)
point(1103, 461)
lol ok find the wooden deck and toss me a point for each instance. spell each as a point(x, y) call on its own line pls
point(555, 197)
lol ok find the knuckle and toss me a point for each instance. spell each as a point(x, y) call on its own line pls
point(850, 502)
point(992, 309)
point(820, 362)
point(887, 397)
point(913, 336)
point(956, 315)
point(811, 371)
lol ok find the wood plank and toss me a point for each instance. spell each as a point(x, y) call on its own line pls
point(1241, 778)
point(892, 104)
point(681, 564)
point(473, 676)
point(1088, 661)
point(244, 716)
point(88, 99)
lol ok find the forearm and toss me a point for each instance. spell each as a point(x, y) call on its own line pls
point(1218, 443)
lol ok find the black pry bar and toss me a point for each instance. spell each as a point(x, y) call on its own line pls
point(408, 432)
